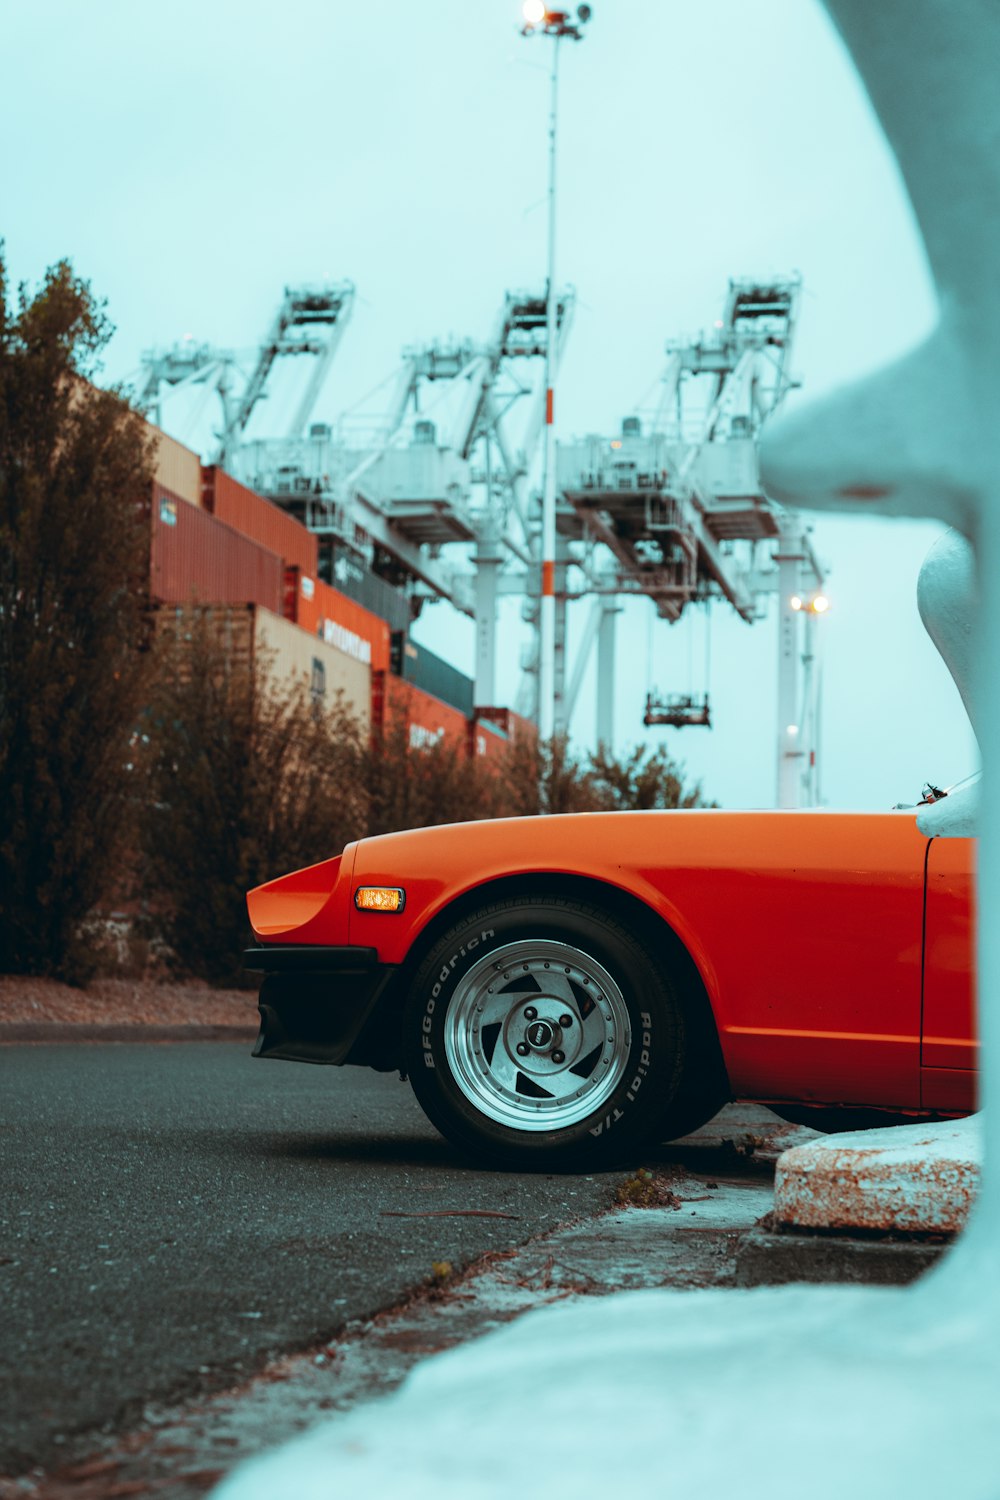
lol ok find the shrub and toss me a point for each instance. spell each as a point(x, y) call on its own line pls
point(246, 780)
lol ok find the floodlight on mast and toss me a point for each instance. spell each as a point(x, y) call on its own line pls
point(557, 24)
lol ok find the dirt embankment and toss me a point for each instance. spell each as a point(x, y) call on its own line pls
point(123, 1002)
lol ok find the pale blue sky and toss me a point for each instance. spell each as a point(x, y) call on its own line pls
point(193, 159)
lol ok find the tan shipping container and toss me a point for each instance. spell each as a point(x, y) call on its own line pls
point(176, 468)
point(291, 655)
point(249, 633)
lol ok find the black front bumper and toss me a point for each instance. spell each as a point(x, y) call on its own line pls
point(325, 1005)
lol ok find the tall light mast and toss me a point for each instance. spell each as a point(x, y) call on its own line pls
point(542, 20)
point(798, 682)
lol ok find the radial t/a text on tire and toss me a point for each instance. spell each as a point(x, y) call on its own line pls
point(541, 1033)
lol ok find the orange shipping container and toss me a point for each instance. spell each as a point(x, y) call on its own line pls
point(196, 559)
point(228, 500)
point(428, 720)
point(352, 628)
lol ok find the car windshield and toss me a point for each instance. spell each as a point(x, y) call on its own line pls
point(965, 781)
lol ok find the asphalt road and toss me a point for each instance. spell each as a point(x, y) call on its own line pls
point(173, 1216)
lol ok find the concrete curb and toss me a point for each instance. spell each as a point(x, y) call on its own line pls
point(59, 1031)
point(773, 1258)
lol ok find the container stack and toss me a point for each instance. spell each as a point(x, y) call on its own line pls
point(215, 543)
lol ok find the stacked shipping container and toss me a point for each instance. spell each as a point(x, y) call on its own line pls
point(487, 739)
point(516, 727)
point(195, 559)
point(252, 636)
point(267, 524)
point(322, 611)
point(427, 720)
point(365, 587)
point(176, 468)
point(416, 665)
point(289, 656)
point(230, 627)
point(353, 628)
point(216, 543)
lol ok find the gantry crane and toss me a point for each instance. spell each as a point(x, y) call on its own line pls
point(682, 512)
point(309, 322)
point(390, 500)
point(671, 502)
point(187, 363)
point(674, 512)
point(449, 463)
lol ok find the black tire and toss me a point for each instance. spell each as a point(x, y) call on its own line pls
point(540, 1033)
point(689, 1112)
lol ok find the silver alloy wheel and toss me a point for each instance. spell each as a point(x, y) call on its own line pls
point(537, 1035)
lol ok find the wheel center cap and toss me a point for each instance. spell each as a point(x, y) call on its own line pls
point(539, 1035)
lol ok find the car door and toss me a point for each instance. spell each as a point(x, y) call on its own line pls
point(949, 1045)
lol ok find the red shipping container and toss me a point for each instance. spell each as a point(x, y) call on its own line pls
point(487, 740)
point(301, 601)
point(515, 726)
point(228, 500)
point(352, 628)
point(428, 720)
point(196, 559)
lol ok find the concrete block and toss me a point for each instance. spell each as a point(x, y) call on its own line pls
point(912, 1179)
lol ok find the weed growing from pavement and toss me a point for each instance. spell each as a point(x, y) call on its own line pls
point(646, 1189)
point(442, 1272)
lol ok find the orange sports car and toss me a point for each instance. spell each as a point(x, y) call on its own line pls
point(563, 990)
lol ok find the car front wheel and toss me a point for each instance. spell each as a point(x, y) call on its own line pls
point(542, 1033)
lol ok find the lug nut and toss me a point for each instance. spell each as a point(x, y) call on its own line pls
point(565, 1021)
point(558, 1057)
point(523, 1049)
point(531, 1014)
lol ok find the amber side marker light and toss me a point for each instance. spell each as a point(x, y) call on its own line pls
point(379, 898)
